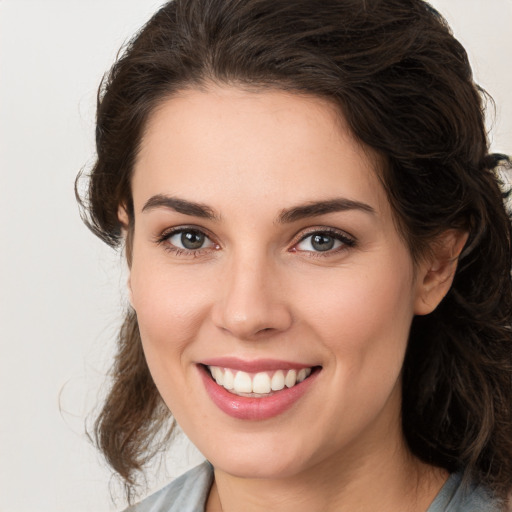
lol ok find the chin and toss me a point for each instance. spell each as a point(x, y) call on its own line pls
point(259, 461)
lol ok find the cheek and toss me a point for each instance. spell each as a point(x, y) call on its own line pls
point(363, 314)
point(170, 312)
point(363, 321)
point(170, 308)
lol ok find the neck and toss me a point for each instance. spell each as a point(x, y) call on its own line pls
point(362, 478)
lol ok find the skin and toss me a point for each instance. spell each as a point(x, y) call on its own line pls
point(257, 288)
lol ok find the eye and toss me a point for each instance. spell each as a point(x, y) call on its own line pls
point(324, 241)
point(191, 240)
point(186, 239)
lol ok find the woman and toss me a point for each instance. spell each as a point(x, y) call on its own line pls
point(319, 260)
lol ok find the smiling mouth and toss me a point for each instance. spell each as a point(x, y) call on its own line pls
point(260, 384)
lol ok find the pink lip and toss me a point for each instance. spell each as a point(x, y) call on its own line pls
point(248, 408)
point(257, 365)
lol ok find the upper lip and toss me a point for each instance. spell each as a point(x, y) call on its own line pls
point(255, 365)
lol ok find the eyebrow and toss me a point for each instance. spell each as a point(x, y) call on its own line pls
point(288, 215)
point(317, 208)
point(181, 206)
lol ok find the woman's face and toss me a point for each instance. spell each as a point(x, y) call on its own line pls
point(264, 245)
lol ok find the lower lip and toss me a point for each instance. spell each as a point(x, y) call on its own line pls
point(248, 408)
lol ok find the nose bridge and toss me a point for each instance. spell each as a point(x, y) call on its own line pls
point(251, 301)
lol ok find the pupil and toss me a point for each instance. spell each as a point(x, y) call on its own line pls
point(322, 242)
point(192, 240)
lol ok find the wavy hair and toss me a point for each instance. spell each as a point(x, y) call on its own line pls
point(404, 85)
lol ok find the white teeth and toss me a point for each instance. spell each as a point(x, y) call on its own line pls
point(242, 383)
point(218, 375)
point(229, 379)
point(291, 378)
point(277, 382)
point(303, 374)
point(261, 383)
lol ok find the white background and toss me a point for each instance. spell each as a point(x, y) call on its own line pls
point(61, 291)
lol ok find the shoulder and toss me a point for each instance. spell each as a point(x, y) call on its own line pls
point(455, 496)
point(188, 493)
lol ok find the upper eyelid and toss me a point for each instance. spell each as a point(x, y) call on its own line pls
point(166, 233)
point(303, 234)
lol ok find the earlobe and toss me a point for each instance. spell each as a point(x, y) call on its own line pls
point(436, 272)
point(129, 289)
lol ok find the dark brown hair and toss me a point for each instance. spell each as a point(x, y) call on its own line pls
point(405, 87)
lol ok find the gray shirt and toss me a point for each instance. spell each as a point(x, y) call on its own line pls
point(189, 493)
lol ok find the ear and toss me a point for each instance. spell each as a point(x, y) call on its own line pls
point(437, 270)
point(124, 219)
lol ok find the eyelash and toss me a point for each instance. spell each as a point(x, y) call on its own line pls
point(347, 242)
point(163, 240)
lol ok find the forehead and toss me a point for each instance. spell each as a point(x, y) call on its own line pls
point(230, 142)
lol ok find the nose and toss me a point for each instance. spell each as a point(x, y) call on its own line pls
point(251, 302)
